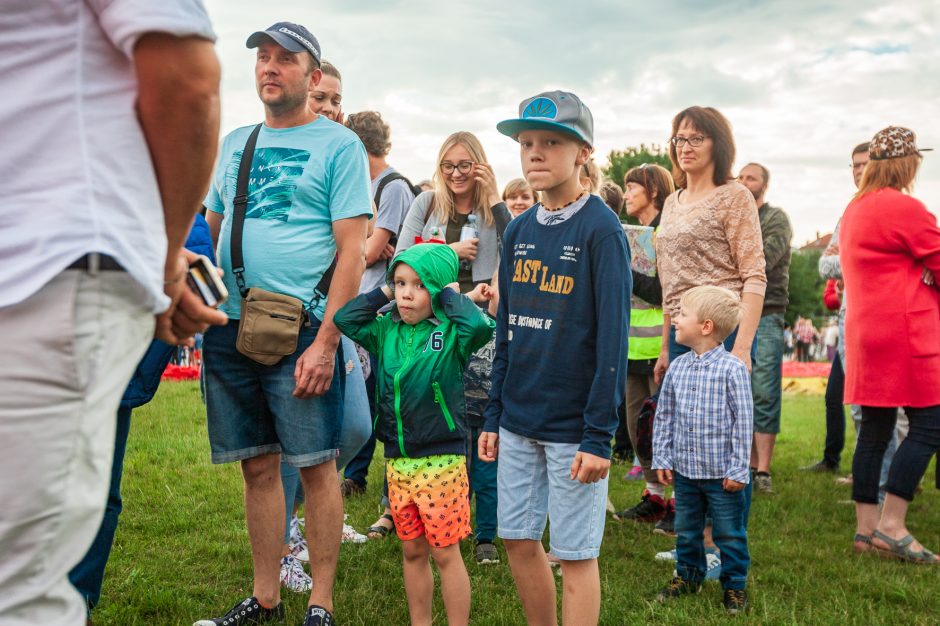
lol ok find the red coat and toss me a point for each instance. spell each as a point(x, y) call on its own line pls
point(892, 324)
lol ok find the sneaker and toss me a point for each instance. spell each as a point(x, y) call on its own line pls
point(247, 611)
point(650, 509)
point(635, 473)
point(486, 553)
point(735, 601)
point(677, 587)
point(763, 483)
point(351, 535)
point(297, 543)
point(293, 576)
point(669, 555)
point(821, 467)
point(349, 487)
point(667, 525)
point(318, 616)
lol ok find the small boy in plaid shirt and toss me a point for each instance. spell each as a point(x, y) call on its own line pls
point(702, 442)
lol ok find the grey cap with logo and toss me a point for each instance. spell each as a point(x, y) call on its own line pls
point(552, 110)
point(290, 36)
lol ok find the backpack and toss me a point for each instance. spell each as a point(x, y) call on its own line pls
point(644, 427)
point(391, 178)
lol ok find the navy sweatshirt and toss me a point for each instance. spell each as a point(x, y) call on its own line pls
point(559, 369)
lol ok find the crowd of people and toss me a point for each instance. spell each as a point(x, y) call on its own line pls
point(501, 344)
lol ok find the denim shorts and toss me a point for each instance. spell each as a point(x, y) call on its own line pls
point(251, 408)
point(533, 483)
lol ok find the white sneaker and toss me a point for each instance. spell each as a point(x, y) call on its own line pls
point(299, 551)
point(665, 556)
point(351, 535)
point(293, 576)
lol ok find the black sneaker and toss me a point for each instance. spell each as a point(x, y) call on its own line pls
point(735, 601)
point(678, 587)
point(820, 467)
point(650, 509)
point(667, 525)
point(318, 616)
point(247, 611)
point(350, 487)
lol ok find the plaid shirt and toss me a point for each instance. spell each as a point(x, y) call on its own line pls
point(705, 417)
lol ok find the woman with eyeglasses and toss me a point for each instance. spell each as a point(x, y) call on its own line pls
point(709, 234)
point(464, 184)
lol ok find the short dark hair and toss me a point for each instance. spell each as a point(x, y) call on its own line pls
point(763, 170)
point(711, 123)
point(862, 147)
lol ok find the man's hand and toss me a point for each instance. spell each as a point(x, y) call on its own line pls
point(488, 447)
point(664, 476)
point(187, 314)
point(588, 468)
point(731, 485)
point(744, 354)
point(387, 252)
point(313, 373)
point(662, 364)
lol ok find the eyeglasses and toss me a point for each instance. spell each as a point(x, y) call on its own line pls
point(695, 141)
point(464, 167)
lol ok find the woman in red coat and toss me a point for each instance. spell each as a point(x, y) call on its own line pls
point(890, 252)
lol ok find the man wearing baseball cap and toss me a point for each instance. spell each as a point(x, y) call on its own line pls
point(307, 202)
point(565, 284)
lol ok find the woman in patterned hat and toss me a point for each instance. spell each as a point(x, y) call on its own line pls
point(890, 251)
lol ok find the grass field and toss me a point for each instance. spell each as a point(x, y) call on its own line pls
point(182, 550)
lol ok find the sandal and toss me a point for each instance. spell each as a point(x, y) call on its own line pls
point(380, 531)
point(862, 543)
point(900, 549)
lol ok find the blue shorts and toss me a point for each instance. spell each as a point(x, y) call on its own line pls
point(533, 483)
point(251, 408)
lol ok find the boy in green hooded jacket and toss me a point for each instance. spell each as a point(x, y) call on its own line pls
point(422, 347)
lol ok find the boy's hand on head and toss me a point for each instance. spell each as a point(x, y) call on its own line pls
point(480, 293)
point(665, 476)
point(488, 447)
point(588, 468)
point(731, 485)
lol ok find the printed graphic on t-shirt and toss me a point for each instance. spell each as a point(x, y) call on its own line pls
point(271, 182)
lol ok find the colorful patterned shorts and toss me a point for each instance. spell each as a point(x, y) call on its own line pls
point(430, 496)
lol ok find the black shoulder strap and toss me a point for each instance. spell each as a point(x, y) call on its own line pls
point(384, 182)
point(240, 204)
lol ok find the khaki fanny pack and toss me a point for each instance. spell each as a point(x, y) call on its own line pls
point(270, 325)
point(270, 322)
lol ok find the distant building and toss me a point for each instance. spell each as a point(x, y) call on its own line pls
point(819, 243)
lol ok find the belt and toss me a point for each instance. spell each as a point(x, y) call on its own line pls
point(94, 261)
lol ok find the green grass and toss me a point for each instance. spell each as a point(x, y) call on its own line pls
point(182, 553)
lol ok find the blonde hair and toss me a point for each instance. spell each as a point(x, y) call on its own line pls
point(444, 202)
point(517, 186)
point(721, 306)
point(593, 173)
point(897, 173)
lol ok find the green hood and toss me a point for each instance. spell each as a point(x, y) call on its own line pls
point(436, 264)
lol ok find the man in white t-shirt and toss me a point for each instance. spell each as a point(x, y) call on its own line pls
point(102, 177)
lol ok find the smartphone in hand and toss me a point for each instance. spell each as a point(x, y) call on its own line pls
point(205, 281)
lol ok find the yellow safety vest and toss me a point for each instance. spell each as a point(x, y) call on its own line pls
point(646, 329)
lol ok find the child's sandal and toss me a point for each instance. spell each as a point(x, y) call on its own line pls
point(380, 531)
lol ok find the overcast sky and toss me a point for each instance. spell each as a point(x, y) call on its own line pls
point(801, 82)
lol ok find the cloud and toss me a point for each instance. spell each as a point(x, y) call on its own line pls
point(802, 82)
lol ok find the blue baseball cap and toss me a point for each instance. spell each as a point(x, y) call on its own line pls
point(289, 36)
point(552, 110)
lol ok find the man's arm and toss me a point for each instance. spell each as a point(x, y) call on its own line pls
point(314, 371)
point(777, 239)
point(178, 109)
point(215, 227)
point(375, 245)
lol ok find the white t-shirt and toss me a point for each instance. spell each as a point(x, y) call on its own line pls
point(75, 169)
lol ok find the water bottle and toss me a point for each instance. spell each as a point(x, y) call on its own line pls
point(469, 231)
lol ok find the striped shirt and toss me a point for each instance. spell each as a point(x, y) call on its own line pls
point(705, 417)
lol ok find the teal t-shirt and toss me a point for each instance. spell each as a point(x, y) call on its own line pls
point(302, 180)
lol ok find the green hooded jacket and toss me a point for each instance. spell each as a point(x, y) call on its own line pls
point(419, 378)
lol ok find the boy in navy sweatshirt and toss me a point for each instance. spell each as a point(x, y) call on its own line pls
point(559, 368)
